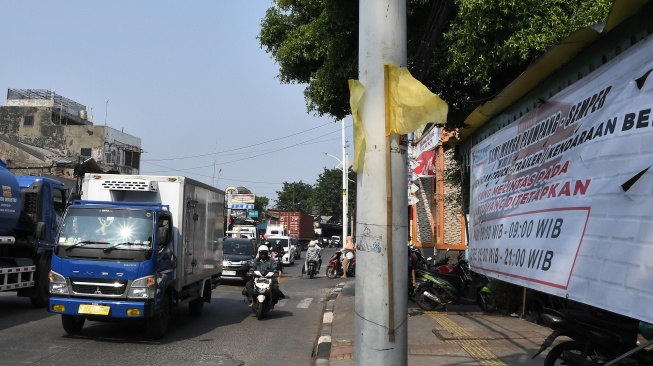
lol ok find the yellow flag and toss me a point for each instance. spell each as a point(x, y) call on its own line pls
point(356, 91)
point(411, 104)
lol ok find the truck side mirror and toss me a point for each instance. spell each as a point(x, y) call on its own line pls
point(39, 232)
point(161, 236)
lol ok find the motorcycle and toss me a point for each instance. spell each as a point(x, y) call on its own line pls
point(262, 299)
point(596, 339)
point(334, 267)
point(457, 285)
point(312, 266)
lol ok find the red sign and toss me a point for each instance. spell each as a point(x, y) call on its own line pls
point(425, 164)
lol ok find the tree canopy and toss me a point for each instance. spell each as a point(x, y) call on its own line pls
point(325, 195)
point(295, 196)
point(465, 51)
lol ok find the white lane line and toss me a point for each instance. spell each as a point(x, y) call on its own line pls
point(281, 303)
point(304, 304)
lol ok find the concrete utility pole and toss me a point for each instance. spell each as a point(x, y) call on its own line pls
point(382, 213)
point(345, 186)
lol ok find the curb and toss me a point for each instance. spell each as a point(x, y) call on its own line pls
point(323, 348)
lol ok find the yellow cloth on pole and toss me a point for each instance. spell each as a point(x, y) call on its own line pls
point(412, 105)
point(356, 91)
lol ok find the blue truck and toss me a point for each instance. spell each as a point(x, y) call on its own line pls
point(30, 211)
point(134, 247)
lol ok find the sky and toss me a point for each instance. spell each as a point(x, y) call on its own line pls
point(190, 79)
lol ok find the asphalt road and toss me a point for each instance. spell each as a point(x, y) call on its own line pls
point(226, 334)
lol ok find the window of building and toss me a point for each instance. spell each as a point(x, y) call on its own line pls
point(86, 151)
point(132, 159)
point(28, 121)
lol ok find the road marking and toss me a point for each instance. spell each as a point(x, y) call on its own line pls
point(477, 348)
point(281, 303)
point(304, 304)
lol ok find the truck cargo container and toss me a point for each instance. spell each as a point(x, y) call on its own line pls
point(298, 225)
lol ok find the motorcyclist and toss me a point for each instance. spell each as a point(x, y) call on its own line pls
point(276, 253)
point(421, 261)
point(264, 264)
point(314, 252)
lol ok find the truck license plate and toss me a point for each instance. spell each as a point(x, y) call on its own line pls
point(94, 309)
point(229, 273)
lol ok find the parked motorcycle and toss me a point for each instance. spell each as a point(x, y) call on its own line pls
point(312, 268)
point(457, 285)
point(596, 339)
point(334, 267)
point(262, 299)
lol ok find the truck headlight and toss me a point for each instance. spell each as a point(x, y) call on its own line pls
point(58, 284)
point(142, 288)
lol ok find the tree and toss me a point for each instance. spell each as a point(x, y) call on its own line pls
point(295, 196)
point(328, 192)
point(464, 50)
point(261, 204)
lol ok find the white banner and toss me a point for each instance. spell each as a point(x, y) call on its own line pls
point(562, 199)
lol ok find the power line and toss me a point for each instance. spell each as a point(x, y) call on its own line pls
point(238, 148)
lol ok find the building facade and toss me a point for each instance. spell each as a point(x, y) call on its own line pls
point(42, 130)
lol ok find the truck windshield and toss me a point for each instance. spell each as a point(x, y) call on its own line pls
point(107, 228)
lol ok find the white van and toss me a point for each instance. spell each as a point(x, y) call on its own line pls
point(275, 230)
point(248, 232)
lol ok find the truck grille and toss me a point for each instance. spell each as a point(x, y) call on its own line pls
point(98, 287)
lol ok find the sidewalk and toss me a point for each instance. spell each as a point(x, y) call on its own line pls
point(463, 335)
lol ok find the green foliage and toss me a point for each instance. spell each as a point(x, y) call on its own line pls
point(295, 196)
point(463, 50)
point(315, 42)
point(328, 192)
point(490, 42)
point(261, 204)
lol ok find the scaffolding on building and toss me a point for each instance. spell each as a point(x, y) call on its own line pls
point(63, 107)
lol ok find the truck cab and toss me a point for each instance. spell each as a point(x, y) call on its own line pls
point(31, 208)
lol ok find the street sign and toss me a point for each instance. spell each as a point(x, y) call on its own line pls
point(242, 206)
point(253, 213)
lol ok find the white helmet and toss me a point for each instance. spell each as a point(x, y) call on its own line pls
point(263, 248)
point(312, 243)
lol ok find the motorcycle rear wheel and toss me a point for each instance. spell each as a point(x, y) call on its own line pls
point(424, 302)
point(485, 301)
point(331, 272)
point(558, 355)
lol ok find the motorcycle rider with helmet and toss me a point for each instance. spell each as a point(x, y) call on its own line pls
point(264, 264)
point(314, 252)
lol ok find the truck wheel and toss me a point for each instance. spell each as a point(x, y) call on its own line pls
point(196, 307)
point(157, 325)
point(41, 296)
point(72, 324)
